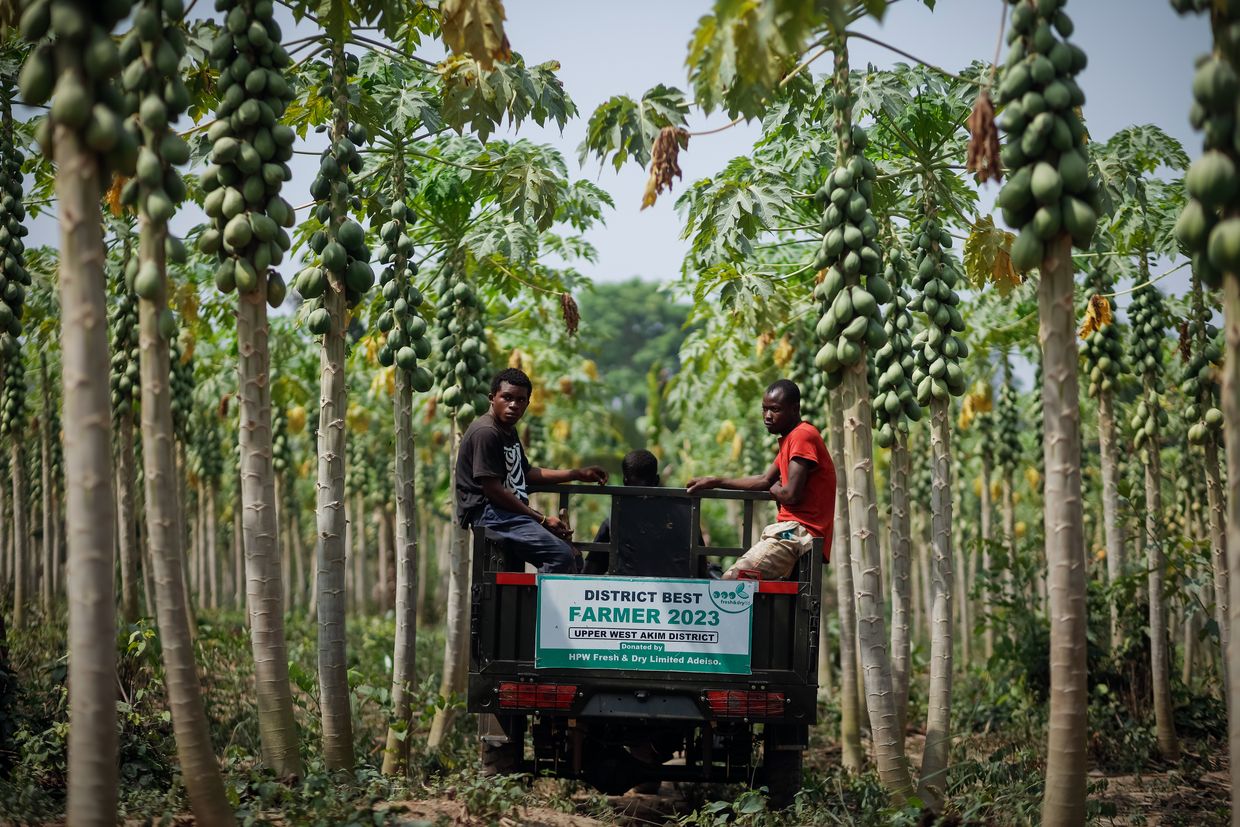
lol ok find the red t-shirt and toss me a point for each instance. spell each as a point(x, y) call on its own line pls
point(816, 511)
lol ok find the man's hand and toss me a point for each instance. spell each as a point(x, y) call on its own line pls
point(592, 473)
point(559, 528)
point(702, 484)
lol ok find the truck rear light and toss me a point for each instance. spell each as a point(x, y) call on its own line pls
point(731, 703)
point(554, 696)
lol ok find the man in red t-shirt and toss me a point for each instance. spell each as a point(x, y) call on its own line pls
point(802, 481)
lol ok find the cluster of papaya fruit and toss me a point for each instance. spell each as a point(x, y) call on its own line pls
point(852, 288)
point(281, 450)
point(1199, 380)
point(123, 337)
point(206, 460)
point(250, 151)
point(461, 371)
point(1049, 189)
point(79, 78)
point(1148, 318)
point(1103, 348)
point(1213, 180)
point(13, 397)
point(937, 373)
point(407, 339)
point(1007, 428)
point(155, 97)
point(343, 254)
point(13, 276)
point(181, 388)
point(895, 403)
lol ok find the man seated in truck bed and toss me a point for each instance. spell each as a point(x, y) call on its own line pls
point(640, 468)
point(491, 477)
point(802, 481)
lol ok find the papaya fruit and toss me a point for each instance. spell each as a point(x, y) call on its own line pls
point(1212, 179)
point(319, 322)
point(1046, 184)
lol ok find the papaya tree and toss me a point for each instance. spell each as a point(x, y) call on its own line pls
point(74, 62)
point(1050, 200)
point(1141, 210)
point(1149, 319)
point(12, 301)
point(250, 151)
point(126, 394)
point(895, 406)
point(1205, 425)
point(1209, 228)
point(1103, 351)
point(938, 377)
point(151, 52)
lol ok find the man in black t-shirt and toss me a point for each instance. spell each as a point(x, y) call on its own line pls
point(492, 474)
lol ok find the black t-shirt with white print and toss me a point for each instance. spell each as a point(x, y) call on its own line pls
point(487, 450)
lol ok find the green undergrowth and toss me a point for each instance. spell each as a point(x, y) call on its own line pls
point(999, 715)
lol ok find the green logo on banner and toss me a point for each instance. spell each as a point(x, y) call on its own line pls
point(731, 600)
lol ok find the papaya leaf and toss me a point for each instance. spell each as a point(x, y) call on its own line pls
point(740, 52)
point(625, 128)
point(724, 215)
point(987, 259)
point(480, 100)
point(475, 29)
point(529, 180)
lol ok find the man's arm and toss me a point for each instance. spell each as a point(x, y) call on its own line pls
point(756, 482)
point(793, 491)
point(500, 497)
point(554, 476)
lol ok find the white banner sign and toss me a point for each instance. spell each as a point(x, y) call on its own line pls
point(654, 624)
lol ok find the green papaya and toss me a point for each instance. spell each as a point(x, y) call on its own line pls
point(1224, 246)
point(245, 275)
point(1212, 179)
point(1027, 250)
point(1046, 184)
point(334, 257)
point(1079, 219)
point(319, 322)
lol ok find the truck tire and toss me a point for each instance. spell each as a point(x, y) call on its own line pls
point(783, 775)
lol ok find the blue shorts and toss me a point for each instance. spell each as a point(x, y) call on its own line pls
point(530, 541)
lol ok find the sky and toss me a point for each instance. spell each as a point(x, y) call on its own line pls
point(1140, 69)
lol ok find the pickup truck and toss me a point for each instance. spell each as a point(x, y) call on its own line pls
point(616, 725)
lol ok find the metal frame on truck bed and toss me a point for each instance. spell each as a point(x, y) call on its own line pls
point(617, 728)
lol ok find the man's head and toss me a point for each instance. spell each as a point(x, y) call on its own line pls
point(510, 396)
point(640, 468)
point(781, 406)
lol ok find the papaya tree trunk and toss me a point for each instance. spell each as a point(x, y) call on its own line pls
point(361, 603)
point(456, 635)
point(332, 503)
point(211, 542)
point(21, 535)
point(128, 545)
point(47, 493)
point(257, 538)
point(1160, 655)
point(1112, 522)
point(1216, 504)
point(933, 785)
point(1231, 443)
point(396, 756)
point(89, 504)
point(871, 623)
point(826, 663)
point(384, 544)
point(1067, 759)
point(199, 770)
point(841, 559)
point(987, 507)
point(901, 589)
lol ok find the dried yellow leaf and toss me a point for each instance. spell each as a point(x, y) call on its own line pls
point(476, 28)
point(783, 352)
point(1097, 315)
